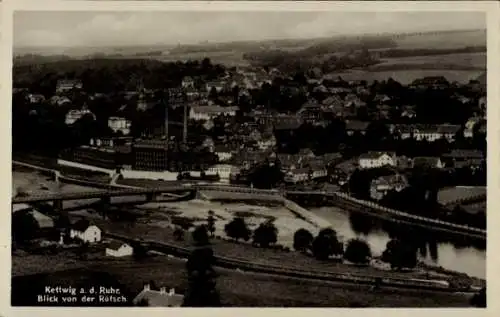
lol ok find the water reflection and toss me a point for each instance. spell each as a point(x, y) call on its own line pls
point(454, 253)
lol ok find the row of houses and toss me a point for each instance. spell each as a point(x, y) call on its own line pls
point(456, 159)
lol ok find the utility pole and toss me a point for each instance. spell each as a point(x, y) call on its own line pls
point(166, 119)
point(184, 131)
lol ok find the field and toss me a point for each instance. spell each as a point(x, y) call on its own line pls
point(284, 220)
point(34, 182)
point(406, 77)
point(449, 195)
point(240, 289)
point(465, 61)
point(443, 40)
point(229, 58)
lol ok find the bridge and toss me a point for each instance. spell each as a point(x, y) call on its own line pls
point(153, 193)
point(44, 197)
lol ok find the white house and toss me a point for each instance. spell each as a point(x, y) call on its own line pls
point(59, 100)
point(119, 249)
point(35, 98)
point(224, 170)
point(155, 298)
point(318, 172)
point(85, 231)
point(210, 112)
point(427, 161)
point(187, 82)
point(218, 85)
point(73, 115)
point(68, 85)
point(223, 153)
point(119, 124)
point(297, 175)
point(377, 159)
point(382, 185)
point(430, 133)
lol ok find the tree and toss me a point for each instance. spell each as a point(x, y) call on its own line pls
point(139, 251)
point(201, 291)
point(200, 235)
point(211, 222)
point(63, 222)
point(326, 244)
point(266, 176)
point(237, 229)
point(400, 254)
point(213, 94)
point(266, 234)
point(82, 250)
point(479, 299)
point(302, 240)
point(357, 251)
point(24, 226)
point(179, 233)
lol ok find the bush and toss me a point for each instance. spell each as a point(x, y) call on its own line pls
point(479, 299)
point(265, 235)
point(326, 244)
point(400, 254)
point(302, 240)
point(179, 234)
point(357, 251)
point(200, 235)
point(237, 229)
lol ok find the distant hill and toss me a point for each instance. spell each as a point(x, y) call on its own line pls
point(435, 40)
point(482, 79)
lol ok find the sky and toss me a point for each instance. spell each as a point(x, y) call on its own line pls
point(100, 29)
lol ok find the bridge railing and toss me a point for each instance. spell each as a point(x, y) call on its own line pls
point(467, 200)
point(375, 206)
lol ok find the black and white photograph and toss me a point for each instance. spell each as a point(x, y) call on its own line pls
point(240, 158)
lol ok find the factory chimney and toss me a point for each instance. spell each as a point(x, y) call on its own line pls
point(184, 131)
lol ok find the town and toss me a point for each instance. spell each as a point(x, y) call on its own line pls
point(254, 165)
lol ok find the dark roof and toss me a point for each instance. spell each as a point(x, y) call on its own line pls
point(222, 148)
point(465, 153)
point(391, 179)
point(330, 157)
point(448, 128)
point(302, 170)
point(374, 155)
point(81, 225)
point(68, 82)
point(357, 125)
point(426, 161)
point(289, 125)
point(115, 245)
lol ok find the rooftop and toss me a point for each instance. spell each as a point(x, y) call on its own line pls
point(161, 298)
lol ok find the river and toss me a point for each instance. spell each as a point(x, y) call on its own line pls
point(466, 259)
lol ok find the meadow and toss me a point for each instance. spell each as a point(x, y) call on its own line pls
point(406, 77)
point(442, 40)
point(464, 61)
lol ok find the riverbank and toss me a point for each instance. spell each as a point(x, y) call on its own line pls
point(150, 227)
point(154, 228)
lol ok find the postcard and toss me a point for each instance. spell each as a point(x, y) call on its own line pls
point(245, 154)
